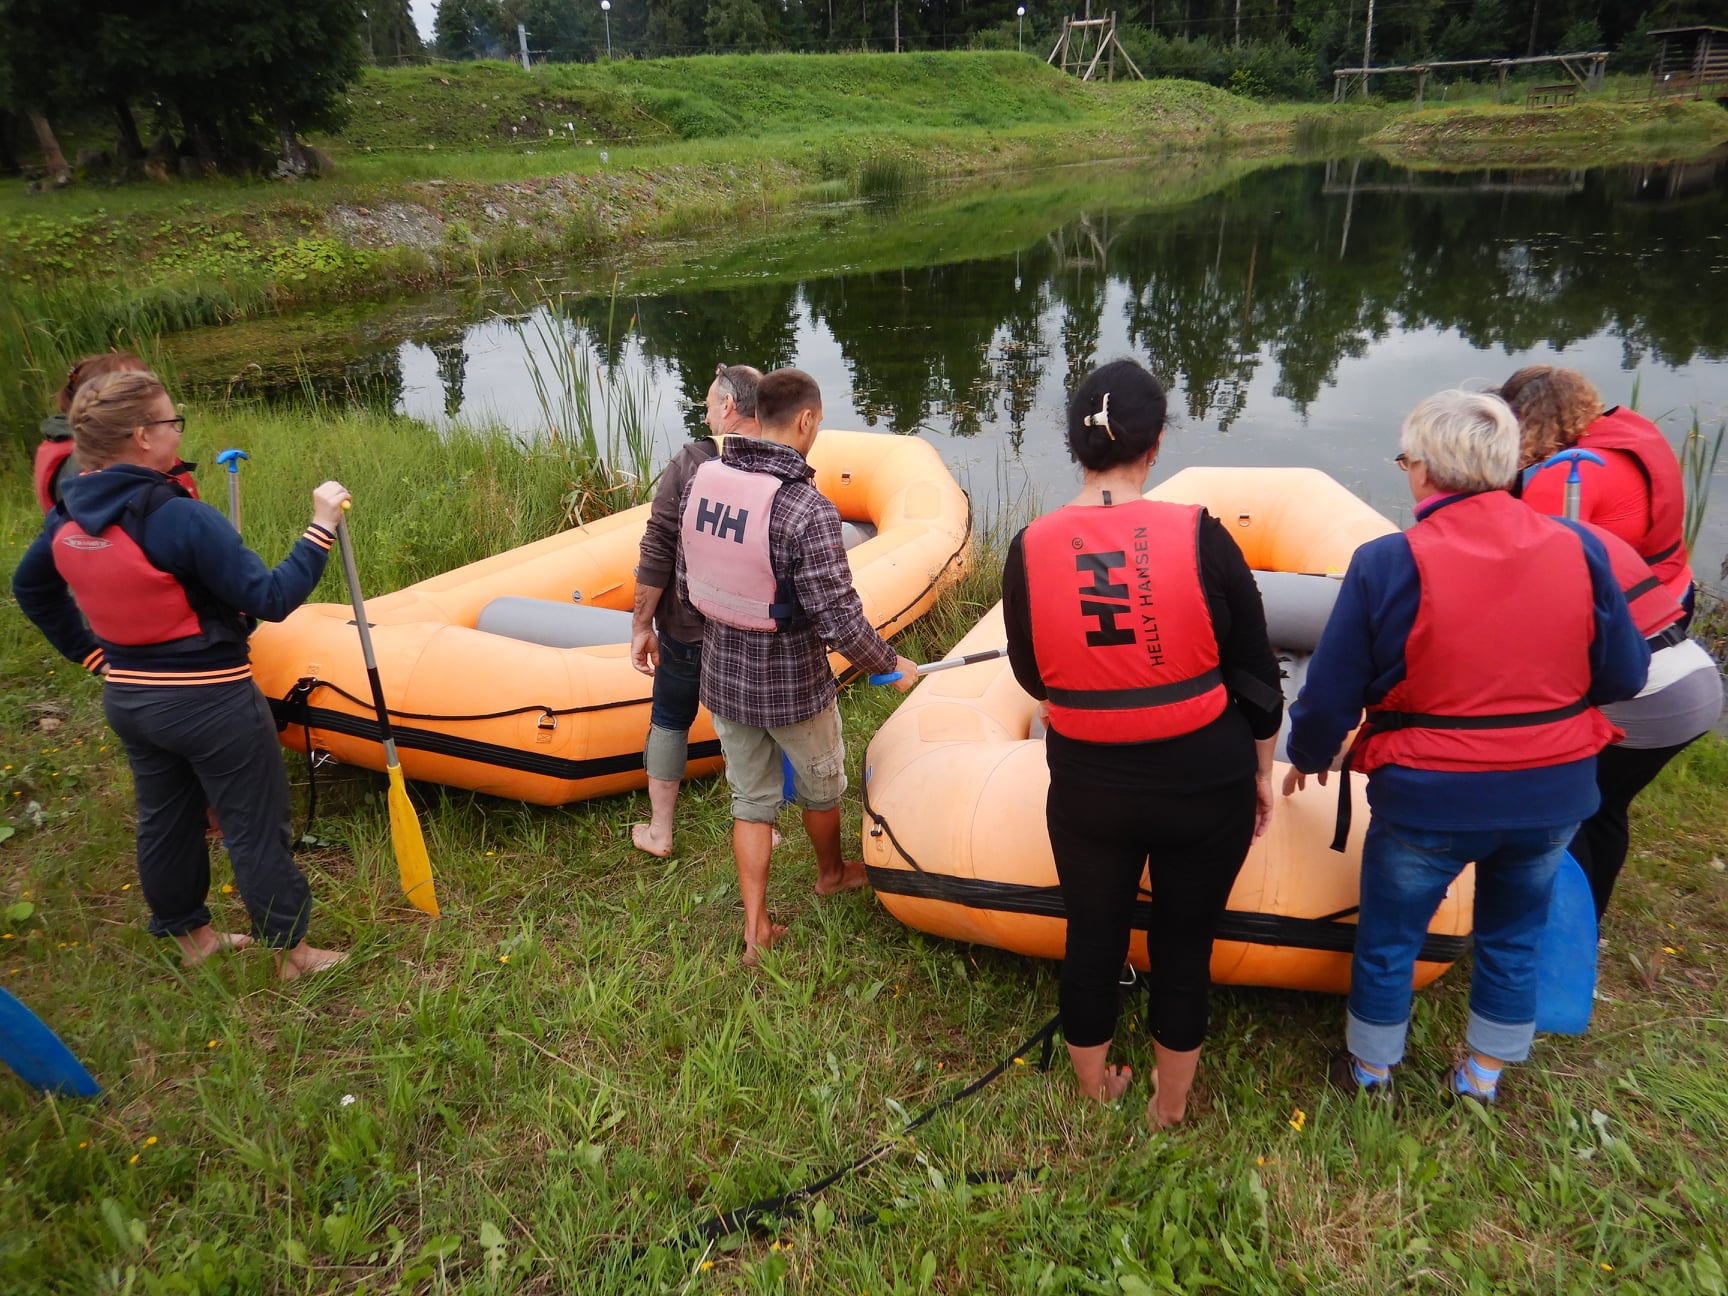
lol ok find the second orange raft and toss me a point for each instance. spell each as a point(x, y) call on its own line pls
point(954, 786)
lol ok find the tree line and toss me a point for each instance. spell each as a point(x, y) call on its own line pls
point(1296, 41)
point(200, 86)
point(190, 86)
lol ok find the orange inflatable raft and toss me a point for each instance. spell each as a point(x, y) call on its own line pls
point(512, 676)
point(954, 783)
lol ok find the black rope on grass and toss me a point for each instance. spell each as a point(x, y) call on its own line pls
point(756, 1213)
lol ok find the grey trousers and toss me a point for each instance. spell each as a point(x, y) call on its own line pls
point(210, 745)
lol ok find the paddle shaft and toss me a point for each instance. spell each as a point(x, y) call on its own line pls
point(947, 663)
point(359, 603)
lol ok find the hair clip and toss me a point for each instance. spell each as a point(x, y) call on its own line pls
point(1102, 417)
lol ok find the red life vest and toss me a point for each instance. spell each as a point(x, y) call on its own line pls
point(1653, 607)
point(1497, 664)
point(728, 567)
point(129, 601)
point(1662, 547)
point(51, 456)
point(1120, 626)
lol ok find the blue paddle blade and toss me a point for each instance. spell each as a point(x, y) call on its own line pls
point(37, 1055)
point(788, 783)
point(1566, 955)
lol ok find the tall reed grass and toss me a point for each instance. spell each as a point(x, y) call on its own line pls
point(599, 417)
point(1697, 466)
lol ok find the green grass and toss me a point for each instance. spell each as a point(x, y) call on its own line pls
point(570, 1067)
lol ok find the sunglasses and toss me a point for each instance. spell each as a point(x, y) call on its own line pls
point(1404, 461)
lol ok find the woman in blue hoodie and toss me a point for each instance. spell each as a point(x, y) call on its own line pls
point(138, 582)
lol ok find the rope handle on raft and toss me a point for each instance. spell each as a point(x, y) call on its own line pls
point(950, 663)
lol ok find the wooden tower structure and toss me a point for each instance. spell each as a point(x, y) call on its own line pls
point(1088, 43)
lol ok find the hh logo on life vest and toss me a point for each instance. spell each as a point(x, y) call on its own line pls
point(1093, 598)
point(720, 519)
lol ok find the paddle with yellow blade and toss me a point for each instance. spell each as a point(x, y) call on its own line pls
point(412, 863)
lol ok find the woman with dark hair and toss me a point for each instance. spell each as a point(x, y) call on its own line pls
point(55, 460)
point(1139, 624)
point(151, 589)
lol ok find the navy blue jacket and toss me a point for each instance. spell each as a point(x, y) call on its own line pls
point(184, 537)
point(1360, 658)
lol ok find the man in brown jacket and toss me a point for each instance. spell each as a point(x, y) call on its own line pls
point(666, 632)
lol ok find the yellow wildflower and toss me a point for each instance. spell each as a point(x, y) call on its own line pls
point(1298, 1119)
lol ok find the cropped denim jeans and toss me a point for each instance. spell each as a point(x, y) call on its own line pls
point(1405, 873)
point(673, 710)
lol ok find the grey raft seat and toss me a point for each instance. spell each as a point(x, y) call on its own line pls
point(554, 624)
point(575, 625)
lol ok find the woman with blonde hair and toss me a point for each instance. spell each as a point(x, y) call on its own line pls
point(140, 583)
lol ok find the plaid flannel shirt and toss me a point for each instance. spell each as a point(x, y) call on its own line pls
point(773, 678)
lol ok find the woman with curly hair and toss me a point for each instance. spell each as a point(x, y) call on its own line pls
point(1634, 497)
point(1636, 493)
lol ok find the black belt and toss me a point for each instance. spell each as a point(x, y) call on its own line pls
point(1379, 722)
point(1674, 634)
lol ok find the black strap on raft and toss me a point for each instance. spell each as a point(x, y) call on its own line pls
point(1379, 722)
point(753, 1215)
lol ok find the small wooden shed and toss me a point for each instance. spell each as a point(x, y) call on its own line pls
point(1692, 62)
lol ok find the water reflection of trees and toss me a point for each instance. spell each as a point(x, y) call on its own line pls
point(1298, 268)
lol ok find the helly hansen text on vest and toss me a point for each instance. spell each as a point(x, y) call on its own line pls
point(1120, 625)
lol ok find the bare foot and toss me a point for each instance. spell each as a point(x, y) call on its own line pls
point(852, 877)
point(753, 949)
point(644, 838)
point(196, 946)
point(1157, 1119)
point(1116, 1082)
point(304, 960)
point(774, 838)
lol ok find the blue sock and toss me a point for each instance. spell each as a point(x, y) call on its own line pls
point(1367, 1074)
point(1471, 1077)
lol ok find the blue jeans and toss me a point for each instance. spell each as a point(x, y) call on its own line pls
point(673, 710)
point(1405, 873)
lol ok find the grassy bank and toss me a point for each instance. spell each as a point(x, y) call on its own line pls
point(1597, 132)
point(538, 1091)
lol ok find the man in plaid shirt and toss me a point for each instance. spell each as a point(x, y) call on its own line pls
point(771, 690)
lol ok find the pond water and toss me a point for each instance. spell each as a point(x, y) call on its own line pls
point(1296, 311)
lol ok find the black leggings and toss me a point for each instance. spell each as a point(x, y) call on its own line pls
point(1194, 842)
point(1602, 841)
